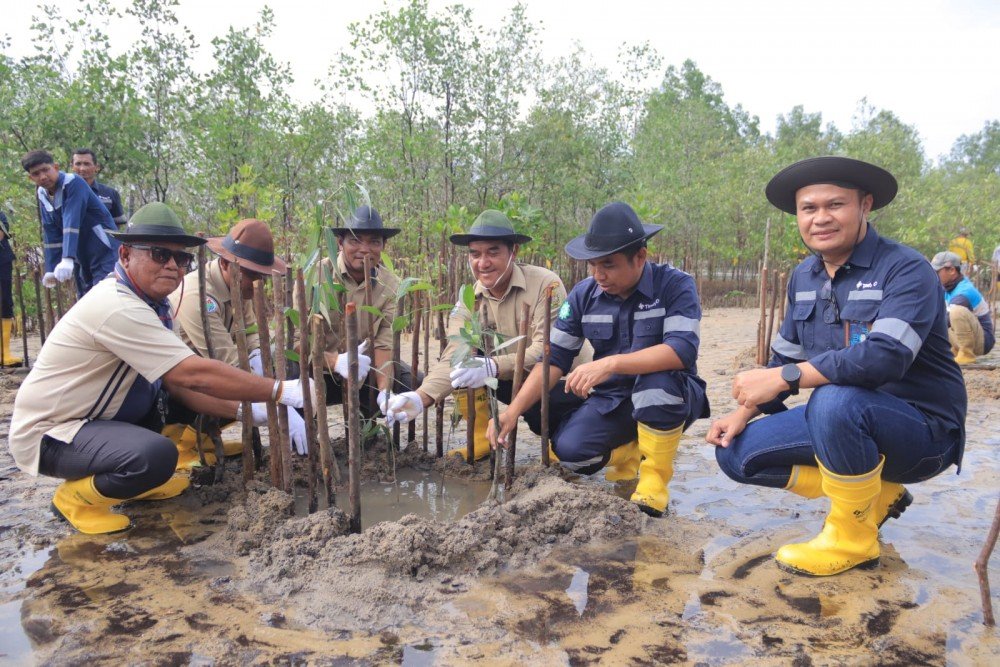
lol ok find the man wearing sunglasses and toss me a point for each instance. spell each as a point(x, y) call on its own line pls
point(866, 327)
point(91, 409)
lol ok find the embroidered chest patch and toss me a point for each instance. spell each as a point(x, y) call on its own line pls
point(565, 311)
point(211, 305)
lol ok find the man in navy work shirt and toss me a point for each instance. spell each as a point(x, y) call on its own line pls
point(867, 327)
point(85, 166)
point(75, 225)
point(642, 389)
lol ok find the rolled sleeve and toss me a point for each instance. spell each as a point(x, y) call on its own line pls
point(682, 323)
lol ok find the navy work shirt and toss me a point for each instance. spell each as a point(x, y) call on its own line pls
point(879, 323)
point(6, 252)
point(111, 200)
point(72, 209)
point(664, 308)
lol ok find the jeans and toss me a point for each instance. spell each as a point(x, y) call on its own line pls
point(846, 429)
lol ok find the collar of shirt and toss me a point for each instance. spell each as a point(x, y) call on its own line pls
point(516, 280)
point(862, 255)
point(215, 282)
point(55, 201)
point(645, 286)
point(345, 277)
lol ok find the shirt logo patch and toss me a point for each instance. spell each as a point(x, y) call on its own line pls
point(862, 285)
point(565, 311)
point(211, 305)
point(646, 306)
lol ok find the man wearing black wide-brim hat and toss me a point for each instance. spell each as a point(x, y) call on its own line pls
point(866, 326)
point(90, 411)
point(642, 389)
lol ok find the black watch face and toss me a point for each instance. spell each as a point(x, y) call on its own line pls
point(790, 373)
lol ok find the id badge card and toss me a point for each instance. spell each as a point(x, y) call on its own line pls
point(856, 332)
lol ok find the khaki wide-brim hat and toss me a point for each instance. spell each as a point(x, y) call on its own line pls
point(250, 244)
point(841, 171)
point(156, 222)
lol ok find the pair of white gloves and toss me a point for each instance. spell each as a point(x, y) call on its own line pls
point(404, 408)
point(291, 396)
point(62, 273)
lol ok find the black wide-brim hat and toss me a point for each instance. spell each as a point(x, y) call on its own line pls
point(490, 225)
point(841, 171)
point(156, 223)
point(612, 229)
point(366, 220)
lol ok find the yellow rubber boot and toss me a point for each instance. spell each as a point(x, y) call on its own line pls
point(9, 358)
point(849, 537)
point(172, 488)
point(658, 449)
point(624, 462)
point(186, 439)
point(805, 481)
point(480, 445)
point(81, 504)
point(891, 502)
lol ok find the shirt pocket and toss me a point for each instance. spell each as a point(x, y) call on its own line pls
point(600, 335)
point(858, 317)
point(647, 332)
point(802, 316)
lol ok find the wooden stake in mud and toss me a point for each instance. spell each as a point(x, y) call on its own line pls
point(305, 368)
point(522, 346)
point(327, 459)
point(370, 337)
point(220, 463)
point(397, 343)
point(411, 432)
point(439, 417)
point(58, 289)
point(427, 362)
point(354, 412)
point(264, 333)
point(280, 440)
point(983, 568)
point(782, 297)
point(19, 286)
point(546, 371)
point(762, 322)
point(470, 426)
point(241, 347)
point(49, 311)
point(770, 318)
point(38, 304)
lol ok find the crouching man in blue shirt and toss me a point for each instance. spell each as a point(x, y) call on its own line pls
point(642, 389)
point(867, 328)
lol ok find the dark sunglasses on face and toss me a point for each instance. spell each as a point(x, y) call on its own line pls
point(160, 255)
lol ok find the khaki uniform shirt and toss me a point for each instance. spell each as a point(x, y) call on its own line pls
point(87, 367)
point(187, 318)
point(527, 285)
point(384, 286)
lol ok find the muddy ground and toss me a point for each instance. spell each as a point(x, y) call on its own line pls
point(564, 571)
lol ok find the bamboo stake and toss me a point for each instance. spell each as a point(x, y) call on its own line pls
point(546, 371)
point(411, 432)
point(241, 347)
point(38, 304)
point(522, 346)
point(982, 567)
point(782, 298)
point(263, 332)
point(59, 300)
point(470, 426)
point(439, 423)
point(305, 368)
point(49, 310)
point(427, 361)
point(24, 316)
point(3, 360)
point(220, 464)
point(282, 440)
point(762, 322)
point(487, 348)
point(354, 425)
point(370, 337)
point(397, 340)
point(343, 392)
point(327, 459)
point(770, 319)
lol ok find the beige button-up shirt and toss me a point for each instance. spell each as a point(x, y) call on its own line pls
point(527, 285)
point(187, 318)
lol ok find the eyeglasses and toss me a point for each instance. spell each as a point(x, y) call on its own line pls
point(160, 255)
point(831, 312)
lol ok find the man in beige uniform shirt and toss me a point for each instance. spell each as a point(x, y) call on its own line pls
point(505, 284)
point(91, 408)
point(250, 244)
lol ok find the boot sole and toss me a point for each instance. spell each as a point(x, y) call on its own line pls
point(651, 511)
point(867, 565)
point(59, 515)
point(898, 507)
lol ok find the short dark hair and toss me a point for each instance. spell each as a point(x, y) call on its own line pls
point(32, 159)
point(85, 151)
point(633, 250)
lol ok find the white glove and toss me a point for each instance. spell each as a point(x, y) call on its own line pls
point(364, 363)
point(297, 433)
point(474, 377)
point(64, 269)
point(403, 408)
point(256, 366)
point(49, 280)
point(383, 401)
point(291, 393)
point(259, 411)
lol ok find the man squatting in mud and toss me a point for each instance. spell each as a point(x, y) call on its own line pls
point(642, 389)
point(91, 409)
point(504, 285)
point(866, 326)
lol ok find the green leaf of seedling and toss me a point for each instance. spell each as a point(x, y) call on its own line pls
point(371, 310)
point(492, 383)
point(331, 244)
point(387, 262)
point(293, 315)
point(400, 323)
point(421, 286)
point(325, 311)
point(252, 329)
point(442, 306)
point(507, 343)
point(468, 298)
point(311, 260)
point(292, 355)
point(337, 287)
point(462, 352)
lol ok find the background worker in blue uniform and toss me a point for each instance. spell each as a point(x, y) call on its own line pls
point(970, 326)
point(6, 293)
point(75, 225)
point(642, 389)
point(866, 326)
point(84, 164)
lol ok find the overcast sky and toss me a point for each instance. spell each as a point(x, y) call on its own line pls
point(935, 63)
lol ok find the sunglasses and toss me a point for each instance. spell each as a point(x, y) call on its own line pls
point(831, 312)
point(160, 255)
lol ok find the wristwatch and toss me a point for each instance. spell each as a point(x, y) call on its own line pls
point(791, 374)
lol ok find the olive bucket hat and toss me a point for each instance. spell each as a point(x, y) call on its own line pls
point(156, 222)
point(490, 224)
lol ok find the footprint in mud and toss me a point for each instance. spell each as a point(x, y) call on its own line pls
point(743, 571)
point(127, 620)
